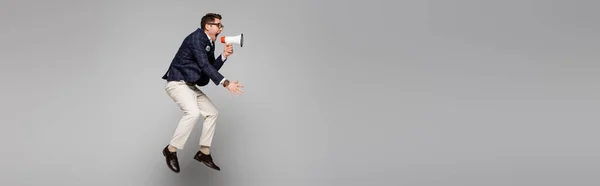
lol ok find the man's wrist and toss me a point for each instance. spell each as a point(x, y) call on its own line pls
point(225, 83)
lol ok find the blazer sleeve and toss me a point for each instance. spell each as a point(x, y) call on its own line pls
point(218, 63)
point(197, 47)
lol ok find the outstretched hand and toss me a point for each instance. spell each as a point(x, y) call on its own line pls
point(235, 87)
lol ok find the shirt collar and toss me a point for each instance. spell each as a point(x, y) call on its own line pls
point(211, 41)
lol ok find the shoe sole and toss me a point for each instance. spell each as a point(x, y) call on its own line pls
point(207, 164)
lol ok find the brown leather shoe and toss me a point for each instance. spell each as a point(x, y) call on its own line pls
point(171, 159)
point(207, 160)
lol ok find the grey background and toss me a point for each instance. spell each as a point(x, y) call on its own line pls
point(445, 93)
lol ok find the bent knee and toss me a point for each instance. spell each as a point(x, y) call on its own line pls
point(213, 113)
point(192, 113)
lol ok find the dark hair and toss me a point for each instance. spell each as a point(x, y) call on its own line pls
point(209, 17)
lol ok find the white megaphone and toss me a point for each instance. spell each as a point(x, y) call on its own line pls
point(239, 39)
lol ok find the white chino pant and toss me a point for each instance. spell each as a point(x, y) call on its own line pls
point(194, 103)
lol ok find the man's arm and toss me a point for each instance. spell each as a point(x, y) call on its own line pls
point(218, 63)
point(197, 47)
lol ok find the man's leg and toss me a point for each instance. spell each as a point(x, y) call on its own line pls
point(211, 114)
point(185, 98)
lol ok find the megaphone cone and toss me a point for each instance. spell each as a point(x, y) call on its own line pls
point(239, 39)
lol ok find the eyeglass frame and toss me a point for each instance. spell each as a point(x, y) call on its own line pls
point(217, 24)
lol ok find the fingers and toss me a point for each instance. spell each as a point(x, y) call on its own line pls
point(238, 91)
point(228, 49)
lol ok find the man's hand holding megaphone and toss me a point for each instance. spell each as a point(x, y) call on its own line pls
point(228, 50)
point(229, 40)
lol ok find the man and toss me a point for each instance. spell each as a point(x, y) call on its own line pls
point(195, 65)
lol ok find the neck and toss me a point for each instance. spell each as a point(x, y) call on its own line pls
point(209, 36)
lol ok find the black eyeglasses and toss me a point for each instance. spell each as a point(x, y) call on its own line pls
point(217, 24)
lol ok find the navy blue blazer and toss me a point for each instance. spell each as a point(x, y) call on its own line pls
point(195, 61)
